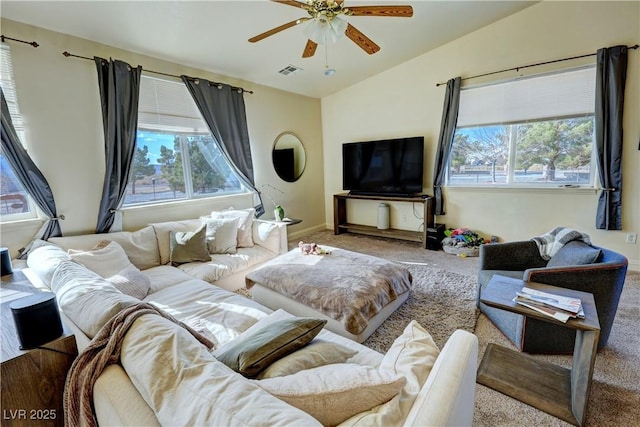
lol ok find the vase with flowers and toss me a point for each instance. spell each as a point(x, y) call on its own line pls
point(278, 210)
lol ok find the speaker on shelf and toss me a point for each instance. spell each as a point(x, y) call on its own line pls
point(37, 319)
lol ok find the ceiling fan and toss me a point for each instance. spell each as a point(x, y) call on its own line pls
point(327, 22)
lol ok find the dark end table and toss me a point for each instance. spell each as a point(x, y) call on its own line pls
point(558, 391)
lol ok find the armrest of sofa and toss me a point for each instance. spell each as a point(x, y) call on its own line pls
point(512, 256)
point(271, 235)
point(448, 396)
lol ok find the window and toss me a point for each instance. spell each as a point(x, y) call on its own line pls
point(15, 203)
point(532, 132)
point(176, 157)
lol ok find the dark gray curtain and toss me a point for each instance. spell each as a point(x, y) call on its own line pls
point(29, 176)
point(222, 108)
point(611, 74)
point(119, 85)
point(447, 130)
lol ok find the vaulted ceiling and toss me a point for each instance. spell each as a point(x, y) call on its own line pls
point(213, 35)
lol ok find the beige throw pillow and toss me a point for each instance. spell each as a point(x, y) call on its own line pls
point(189, 246)
point(245, 222)
point(412, 355)
point(131, 281)
point(317, 353)
point(334, 393)
point(222, 235)
point(106, 259)
point(252, 353)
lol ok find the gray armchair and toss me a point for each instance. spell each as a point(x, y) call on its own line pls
point(603, 276)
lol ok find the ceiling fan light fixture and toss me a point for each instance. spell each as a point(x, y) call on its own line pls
point(323, 29)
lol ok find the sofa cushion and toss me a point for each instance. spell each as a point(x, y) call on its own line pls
point(245, 221)
point(317, 353)
point(334, 393)
point(253, 353)
point(162, 230)
point(87, 299)
point(215, 312)
point(188, 246)
point(185, 386)
point(575, 253)
point(140, 246)
point(222, 235)
point(44, 258)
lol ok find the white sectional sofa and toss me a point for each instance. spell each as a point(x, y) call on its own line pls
point(166, 377)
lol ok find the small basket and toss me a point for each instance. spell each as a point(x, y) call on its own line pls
point(459, 250)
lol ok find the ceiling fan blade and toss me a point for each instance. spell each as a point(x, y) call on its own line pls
point(292, 3)
point(396, 11)
point(309, 49)
point(361, 40)
point(277, 30)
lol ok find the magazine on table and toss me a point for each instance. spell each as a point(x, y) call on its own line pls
point(557, 306)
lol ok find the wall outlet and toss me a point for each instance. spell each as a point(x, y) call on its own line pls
point(632, 238)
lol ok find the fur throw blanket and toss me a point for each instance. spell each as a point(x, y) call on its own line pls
point(550, 243)
point(103, 350)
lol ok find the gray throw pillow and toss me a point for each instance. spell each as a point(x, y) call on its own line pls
point(255, 352)
point(189, 246)
point(575, 253)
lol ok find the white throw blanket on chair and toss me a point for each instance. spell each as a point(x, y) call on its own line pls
point(550, 243)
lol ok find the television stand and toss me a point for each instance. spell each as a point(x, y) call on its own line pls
point(340, 224)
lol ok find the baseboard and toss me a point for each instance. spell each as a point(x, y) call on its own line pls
point(297, 234)
point(634, 265)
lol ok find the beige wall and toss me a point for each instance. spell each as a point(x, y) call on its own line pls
point(60, 104)
point(405, 101)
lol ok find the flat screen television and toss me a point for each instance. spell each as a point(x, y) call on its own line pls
point(383, 167)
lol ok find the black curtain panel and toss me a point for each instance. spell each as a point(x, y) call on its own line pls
point(29, 176)
point(447, 130)
point(611, 74)
point(119, 85)
point(222, 108)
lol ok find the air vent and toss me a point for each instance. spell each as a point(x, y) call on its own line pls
point(289, 69)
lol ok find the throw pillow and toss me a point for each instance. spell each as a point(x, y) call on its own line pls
point(245, 222)
point(254, 352)
point(131, 281)
point(162, 231)
point(412, 356)
point(222, 235)
point(574, 253)
point(317, 353)
point(188, 246)
point(334, 393)
point(105, 259)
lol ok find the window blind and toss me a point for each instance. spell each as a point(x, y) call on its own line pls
point(167, 105)
point(563, 94)
point(9, 90)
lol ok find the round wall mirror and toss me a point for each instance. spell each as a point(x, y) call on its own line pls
point(289, 158)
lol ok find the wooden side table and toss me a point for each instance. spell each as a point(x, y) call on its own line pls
point(558, 391)
point(32, 380)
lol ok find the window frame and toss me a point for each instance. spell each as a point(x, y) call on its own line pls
point(592, 183)
point(9, 89)
point(198, 127)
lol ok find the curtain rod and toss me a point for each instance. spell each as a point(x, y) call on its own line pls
point(533, 65)
point(3, 38)
point(67, 54)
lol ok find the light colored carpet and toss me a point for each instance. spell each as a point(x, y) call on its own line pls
point(615, 393)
